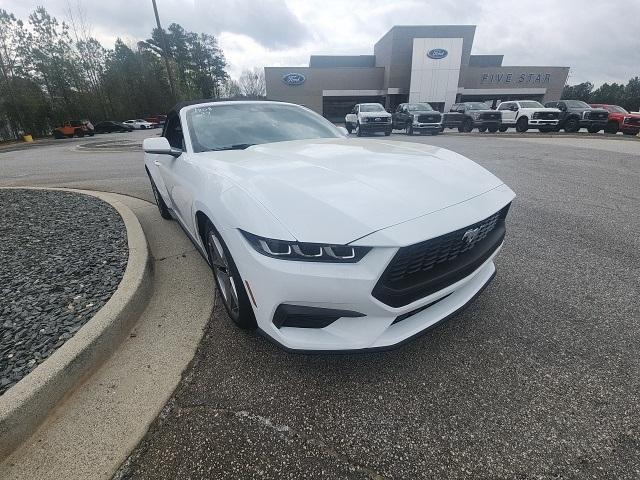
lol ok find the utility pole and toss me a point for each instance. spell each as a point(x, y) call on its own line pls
point(164, 50)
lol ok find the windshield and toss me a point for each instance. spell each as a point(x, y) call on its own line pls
point(614, 108)
point(371, 107)
point(531, 104)
point(477, 106)
point(419, 107)
point(241, 125)
point(576, 104)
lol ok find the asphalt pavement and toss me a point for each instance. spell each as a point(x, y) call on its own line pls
point(539, 378)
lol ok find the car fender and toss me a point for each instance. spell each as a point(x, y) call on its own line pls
point(235, 209)
point(152, 169)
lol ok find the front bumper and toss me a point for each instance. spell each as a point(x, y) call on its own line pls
point(543, 122)
point(486, 123)
point(429, 127)
point(376, 127)
point(348, 287)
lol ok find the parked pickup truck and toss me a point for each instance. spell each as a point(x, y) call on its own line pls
point(417, 117)
point(620, 120)
point(575, 114)
point(526, 114)
point(368, 118)
point(469, 115)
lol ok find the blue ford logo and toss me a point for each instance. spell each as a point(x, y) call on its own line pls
point(294, 79)
point(437, 53)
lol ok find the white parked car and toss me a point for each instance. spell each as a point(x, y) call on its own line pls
point(139, 124)
point(526, 114)
point(368, 118)
point(325, 242)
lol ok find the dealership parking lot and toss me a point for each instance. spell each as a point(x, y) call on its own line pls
point(538, 378)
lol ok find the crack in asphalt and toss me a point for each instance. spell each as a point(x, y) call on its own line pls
point(286, 430)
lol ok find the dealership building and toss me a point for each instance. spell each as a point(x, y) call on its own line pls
point(431, 63)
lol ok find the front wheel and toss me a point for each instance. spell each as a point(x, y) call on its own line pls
point(593, 129)
point(228, 280)
point(79, 133)
point(358, 130)
point(387, 132)
point(162, 206)
point(522, 125)
point(572, 125)
point(627, 132)
point(349, 128)
point(467, 126)
point(409, 129)
point(482, 129)
point(612, 127)
point(503, 129)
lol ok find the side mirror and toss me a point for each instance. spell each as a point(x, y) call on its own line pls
point(160, 146)
point(344, 131)
point(460, 110)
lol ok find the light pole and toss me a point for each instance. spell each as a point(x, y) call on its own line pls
point(163, 40)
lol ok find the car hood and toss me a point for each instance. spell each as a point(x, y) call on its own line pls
point(375, 114)
point(338, 190)
point(543, 109)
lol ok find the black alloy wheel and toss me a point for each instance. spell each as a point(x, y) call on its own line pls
point(228, 281)
point(572, 125)
point(522, 125)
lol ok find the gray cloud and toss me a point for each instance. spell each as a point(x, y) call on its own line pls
point(598, 40)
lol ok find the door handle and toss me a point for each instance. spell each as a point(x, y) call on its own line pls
point(156, 162)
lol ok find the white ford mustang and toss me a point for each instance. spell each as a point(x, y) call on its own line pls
point(320, 241)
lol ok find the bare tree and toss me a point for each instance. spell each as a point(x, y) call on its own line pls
point(252, 83)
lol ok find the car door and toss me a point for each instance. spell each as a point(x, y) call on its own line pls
point(178, 174)
point(508, 114)
point(352, 117)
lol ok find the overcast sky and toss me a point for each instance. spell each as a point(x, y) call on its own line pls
point(600, 40)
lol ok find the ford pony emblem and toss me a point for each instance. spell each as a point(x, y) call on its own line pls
point(470, 235)
point(437, 53)
point(294, 79)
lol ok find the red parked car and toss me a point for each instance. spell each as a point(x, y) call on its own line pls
point(620, 120)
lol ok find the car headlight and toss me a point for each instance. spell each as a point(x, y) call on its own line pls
point(585, 114)
point(305, 252)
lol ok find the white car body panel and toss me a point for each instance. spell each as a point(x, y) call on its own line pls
point(373, 193)
point(510, 117)
point(139, 125)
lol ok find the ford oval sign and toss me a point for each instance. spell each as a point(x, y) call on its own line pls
point(437, 53)
point(294, 79)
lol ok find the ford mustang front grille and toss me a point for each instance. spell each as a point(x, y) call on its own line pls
point(424, 268)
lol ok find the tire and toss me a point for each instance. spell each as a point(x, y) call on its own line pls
point(349, 128)
point(612, 127)
point(593, 129)
point(492, 129)
point(629, 133)
point(409, 129)
point(79, 133)
point(58, 134)
point(503, 129)
point(387, 132)
point(522, 125)
point(358, 130)
point(482, 129)
point(228, 280)
point(435, 132)
point(142, 127)
point(91, 133)
point(572, 125)
point(162, 206)
point(467, 126)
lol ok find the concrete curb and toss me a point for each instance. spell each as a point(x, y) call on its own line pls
point(28, 403)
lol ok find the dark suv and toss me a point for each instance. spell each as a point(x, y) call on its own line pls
point(575, 114)
point(417, 117)
point(469, 115)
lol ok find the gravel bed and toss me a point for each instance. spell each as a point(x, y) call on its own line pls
point(63, 255)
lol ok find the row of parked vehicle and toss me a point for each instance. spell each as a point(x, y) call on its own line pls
point(81, 128)
point(522, 115)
